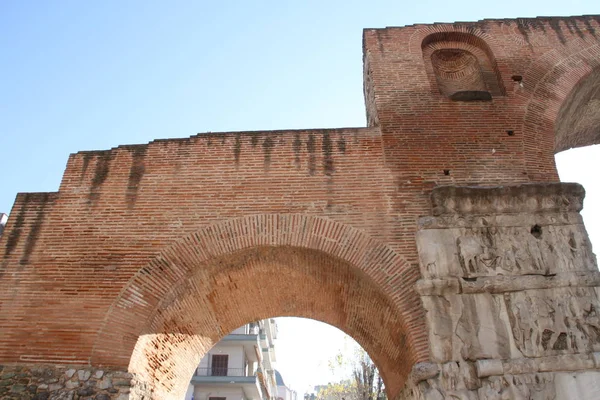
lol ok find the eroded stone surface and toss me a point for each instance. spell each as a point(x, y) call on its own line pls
point(510, 285)
point(459, 380)
point(527, 198)
point(50, 382)
point(469, 327)
point(546, 322)
point(491, 251)
point(532, 323)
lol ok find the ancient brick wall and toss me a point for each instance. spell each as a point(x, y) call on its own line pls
point(116, 211)
point(149, 251)
point(529, 66)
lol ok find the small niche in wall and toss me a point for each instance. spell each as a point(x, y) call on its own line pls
point(461, 66)
point(459, 75)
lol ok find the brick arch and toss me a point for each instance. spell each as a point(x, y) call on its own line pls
point(471, 47)
point(430, 33)
point(578, 121)
point(208, 283)
point(551, 79)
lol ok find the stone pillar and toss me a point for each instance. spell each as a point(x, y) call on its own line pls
point(511, 290)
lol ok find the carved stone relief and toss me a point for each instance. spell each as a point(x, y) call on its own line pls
point(531, 323)
point(540, 386)
point(511, 289)
point(489, 252)
point(469, 327)
point(518, 387)
point(516, 251)
point(457, 382)
point(547, 322)
point(492, 251)
point(527, 198)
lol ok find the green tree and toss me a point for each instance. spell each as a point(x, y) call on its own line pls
point(368, 382)
point(342, 390)
point(361, 378)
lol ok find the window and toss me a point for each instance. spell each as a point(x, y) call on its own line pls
point(219, 366)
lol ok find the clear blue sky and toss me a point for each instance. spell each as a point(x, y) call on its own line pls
point(88, 75)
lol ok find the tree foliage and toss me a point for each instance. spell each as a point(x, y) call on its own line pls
point(369, 384)
point(361, 379)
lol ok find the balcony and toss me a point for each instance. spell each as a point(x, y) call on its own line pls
point(240, 337)
point(248, 341)
point(249, 329)
point(226, 375)
point(216, 376)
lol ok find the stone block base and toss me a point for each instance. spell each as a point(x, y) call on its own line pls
point(50, 382)
point(489, 380)
point(511, 290)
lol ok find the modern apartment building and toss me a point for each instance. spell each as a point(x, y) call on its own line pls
point(3, 219)
point(283, 392)
point(241, 367)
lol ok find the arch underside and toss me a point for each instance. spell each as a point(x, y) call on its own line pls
point(557, 115)
point(260, 283)
point(578, 121)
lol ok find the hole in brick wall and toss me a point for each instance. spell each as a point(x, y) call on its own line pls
point(510, 132)
point(471, 95)
point(536, 231)
point(516, 78)
point(446, 172)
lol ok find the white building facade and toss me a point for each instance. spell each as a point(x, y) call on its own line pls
point(240, 367)
point(283, 392)
point(3, 219)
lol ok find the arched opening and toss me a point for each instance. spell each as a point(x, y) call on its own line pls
point(229, 274)
point(577, 135)
point(581, 165)
point(285, 359)
point(461, 66)
point(262, 283)
point(578, 121)
point(559, 113)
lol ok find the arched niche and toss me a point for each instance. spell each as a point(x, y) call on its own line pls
point(461, 66)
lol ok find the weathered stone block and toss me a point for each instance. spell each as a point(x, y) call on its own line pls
point(492, 251)
point(468, 327)
point(555, 321)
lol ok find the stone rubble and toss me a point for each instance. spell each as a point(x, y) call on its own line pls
point(49, 382)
